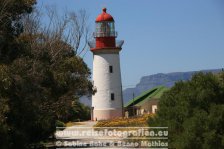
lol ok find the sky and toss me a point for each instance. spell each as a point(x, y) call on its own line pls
point(160, 36)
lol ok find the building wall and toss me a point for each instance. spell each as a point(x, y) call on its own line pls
point(144, 108)
point(106, 83)
point(147, 106)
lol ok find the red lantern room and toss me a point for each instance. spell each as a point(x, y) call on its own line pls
point(105, 33)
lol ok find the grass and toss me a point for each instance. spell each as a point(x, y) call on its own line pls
point(125, 122)
point(69, 124)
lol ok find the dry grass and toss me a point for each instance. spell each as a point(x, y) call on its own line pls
point(69, 124)
point(125, 122)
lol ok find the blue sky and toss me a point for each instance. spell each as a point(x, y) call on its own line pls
point(160, 35)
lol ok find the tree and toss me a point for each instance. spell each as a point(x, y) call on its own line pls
point(69, 27)
point(193, 111)
point(59, 42)
point(42, 75)
point(10, 26)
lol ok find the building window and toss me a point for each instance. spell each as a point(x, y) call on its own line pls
point(112, 96)
point(111, 69)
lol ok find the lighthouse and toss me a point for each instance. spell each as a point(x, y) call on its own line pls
point(107, 102)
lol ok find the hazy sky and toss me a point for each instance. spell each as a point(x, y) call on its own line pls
point(160, 35)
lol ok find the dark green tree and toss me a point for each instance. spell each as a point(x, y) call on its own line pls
point(11, 12)
point(41, 74)
point(193, 111)
point(10, 28)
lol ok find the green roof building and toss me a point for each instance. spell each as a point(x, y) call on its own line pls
point(145, 103)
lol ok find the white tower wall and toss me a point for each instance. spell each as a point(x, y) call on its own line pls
point(107, 83)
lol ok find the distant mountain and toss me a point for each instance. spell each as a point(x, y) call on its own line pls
point(151, 81)
point(168, 80)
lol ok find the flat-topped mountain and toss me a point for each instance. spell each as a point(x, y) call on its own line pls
point(164, 79)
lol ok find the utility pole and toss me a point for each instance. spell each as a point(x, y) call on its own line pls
point(133, 103)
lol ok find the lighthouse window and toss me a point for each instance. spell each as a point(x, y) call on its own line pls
point(111, 69)
point(112, 96)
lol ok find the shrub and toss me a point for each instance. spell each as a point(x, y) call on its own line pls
point(193, 111)
point(59, 124)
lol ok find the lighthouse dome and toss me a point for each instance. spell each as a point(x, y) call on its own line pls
point(104, 16)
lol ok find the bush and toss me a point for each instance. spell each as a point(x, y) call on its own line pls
point(193, 111)
point(59, 124)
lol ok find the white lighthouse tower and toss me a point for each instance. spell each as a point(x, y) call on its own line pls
point(107, 102)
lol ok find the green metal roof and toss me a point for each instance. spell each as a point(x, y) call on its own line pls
point(147, 95)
